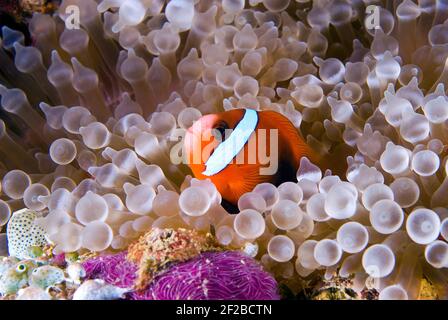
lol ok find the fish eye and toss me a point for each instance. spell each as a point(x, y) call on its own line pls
point(21, 268)
point(219, 131)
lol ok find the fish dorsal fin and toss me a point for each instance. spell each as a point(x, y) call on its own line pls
point(292, 144)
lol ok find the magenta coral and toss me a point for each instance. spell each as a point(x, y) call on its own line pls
point(59, 260)
point(113, 269)
point(228, 275)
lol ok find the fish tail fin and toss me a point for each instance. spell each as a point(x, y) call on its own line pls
point(336, 160)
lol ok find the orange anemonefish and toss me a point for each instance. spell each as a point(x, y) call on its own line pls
point(215, 142)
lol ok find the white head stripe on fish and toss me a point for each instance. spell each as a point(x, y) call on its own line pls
point(227, 150)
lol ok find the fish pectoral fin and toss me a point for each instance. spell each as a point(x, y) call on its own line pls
point(246, 181)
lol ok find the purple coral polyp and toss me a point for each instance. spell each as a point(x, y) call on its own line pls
point(228, 275)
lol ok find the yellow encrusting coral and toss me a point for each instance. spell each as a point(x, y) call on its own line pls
point(157, 249)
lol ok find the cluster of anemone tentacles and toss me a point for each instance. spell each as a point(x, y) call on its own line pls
point(89, 112)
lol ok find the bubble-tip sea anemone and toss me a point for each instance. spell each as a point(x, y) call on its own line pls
point(87, 116)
